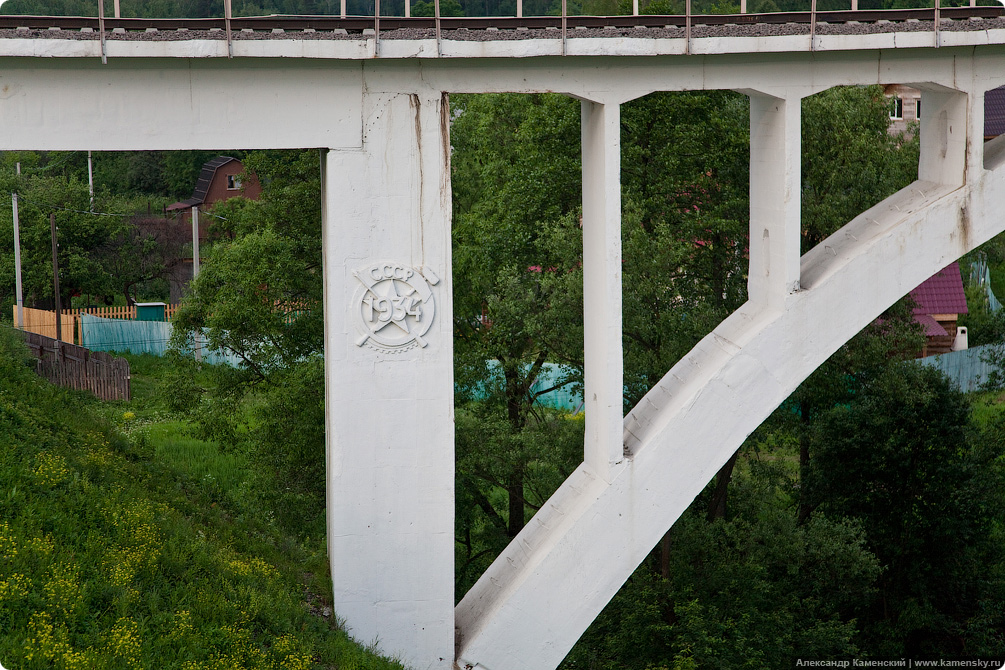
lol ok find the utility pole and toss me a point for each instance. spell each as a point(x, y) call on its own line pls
point(195, 242)
point(90, 171)
point(195, 271)
point(17, 263)
point(55, 281)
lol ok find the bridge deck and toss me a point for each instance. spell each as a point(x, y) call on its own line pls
point(497, 37)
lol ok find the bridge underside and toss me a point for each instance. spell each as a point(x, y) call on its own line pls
point(390, 457)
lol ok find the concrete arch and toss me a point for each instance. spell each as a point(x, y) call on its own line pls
point(529, 608)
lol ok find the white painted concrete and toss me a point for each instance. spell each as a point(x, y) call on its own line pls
point(775, 178)
point(178, 104)
point(364, 49)
point(604, 366)
point(390, 408)
point(388, 329)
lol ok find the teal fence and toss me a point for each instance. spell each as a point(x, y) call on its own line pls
point(981, 274)
point(966, 367)
point(568, 397)
point(137, 337)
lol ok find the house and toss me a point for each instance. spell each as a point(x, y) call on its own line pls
point(221, 178)
point(938, 303)
point(905, 108)
point(994, 113)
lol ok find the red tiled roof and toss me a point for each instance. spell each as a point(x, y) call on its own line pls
point(994, 112)
point(931, 326)
point(942, 293)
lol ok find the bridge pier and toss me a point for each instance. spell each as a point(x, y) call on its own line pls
point(389, 380)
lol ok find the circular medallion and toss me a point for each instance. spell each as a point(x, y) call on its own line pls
point(395, 307)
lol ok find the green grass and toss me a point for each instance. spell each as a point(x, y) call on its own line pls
point(127, 543)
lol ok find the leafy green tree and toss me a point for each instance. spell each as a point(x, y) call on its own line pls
point(259, 296)
point(517, 280)
point(756, 590)
point(850, 161)
point(447, 8)
point(903, 458)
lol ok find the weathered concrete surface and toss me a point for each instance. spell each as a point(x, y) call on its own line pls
point(389, 371)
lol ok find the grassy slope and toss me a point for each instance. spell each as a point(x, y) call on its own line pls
point(126, 544)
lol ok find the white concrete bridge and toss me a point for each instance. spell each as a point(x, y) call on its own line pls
point(383, 118)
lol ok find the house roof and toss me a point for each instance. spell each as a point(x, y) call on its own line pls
point(930, 325)
point(209, 169)
point(942, 293)
point(994, 112)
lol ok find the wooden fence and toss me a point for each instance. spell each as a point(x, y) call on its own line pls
point(68, 365)
point(43, 322)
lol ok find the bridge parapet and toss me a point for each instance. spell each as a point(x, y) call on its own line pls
point(381, 116)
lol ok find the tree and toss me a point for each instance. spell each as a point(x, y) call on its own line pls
point(904, 458)
point(753, 590)
point(259, 296)
point(517, 277)
point(850, 161)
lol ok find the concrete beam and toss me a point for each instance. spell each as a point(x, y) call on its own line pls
point(389, 381)
point(604, 378)
point(535, 601)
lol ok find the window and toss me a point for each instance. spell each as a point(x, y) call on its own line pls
point(233, 182)
point(917, 110)
point(897, 108)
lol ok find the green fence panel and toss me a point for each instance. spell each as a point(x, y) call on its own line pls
point(138, 337)
point(967, 368)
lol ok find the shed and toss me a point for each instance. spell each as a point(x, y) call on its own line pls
point(938, 303)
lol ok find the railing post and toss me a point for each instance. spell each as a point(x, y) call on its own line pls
point(101, 31)
point(376, 27)
point(564, 23)
point(937, 20)
point(687, 26)
point(226, 19)
point(813, 24)
point(436, 18)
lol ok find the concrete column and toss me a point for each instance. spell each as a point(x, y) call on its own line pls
point(604, 378)
point(943, 136)
point(775, 180)
point(389, 380)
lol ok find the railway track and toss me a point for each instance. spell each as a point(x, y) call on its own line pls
point(358, 24)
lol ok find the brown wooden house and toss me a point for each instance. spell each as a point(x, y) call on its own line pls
point(221, 178)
